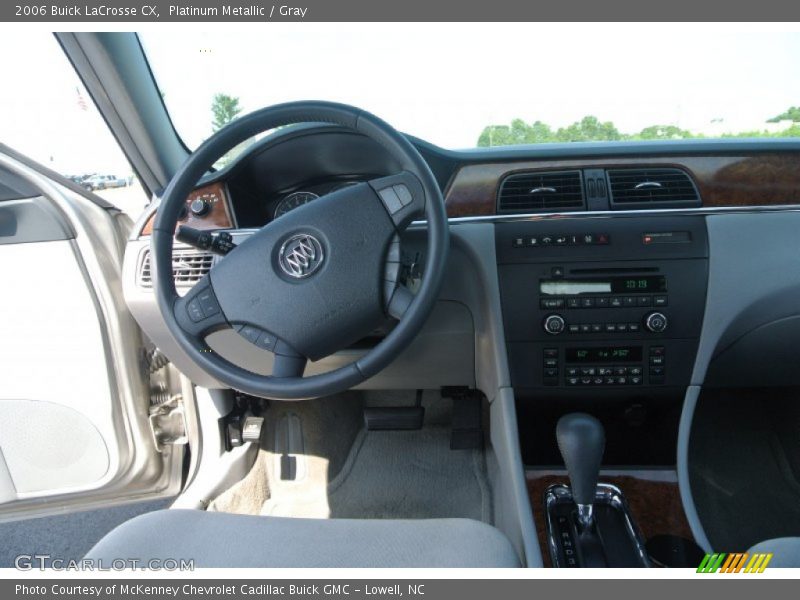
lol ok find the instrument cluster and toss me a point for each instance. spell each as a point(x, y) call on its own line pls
point(280, 204)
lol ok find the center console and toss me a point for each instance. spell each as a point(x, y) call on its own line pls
point(602, 304)
point(602, 320)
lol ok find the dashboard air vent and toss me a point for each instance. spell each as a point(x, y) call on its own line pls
point(188, 267)
point(548, 191)
point(650, 187)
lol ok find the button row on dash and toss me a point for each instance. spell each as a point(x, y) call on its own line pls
point(607, 380)
point(560, 239)
point(602, 302)
point(592, 371)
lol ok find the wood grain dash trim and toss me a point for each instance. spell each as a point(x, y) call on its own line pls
point(219, 217)
point(769, 179)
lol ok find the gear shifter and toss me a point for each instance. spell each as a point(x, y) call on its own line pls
point(581, 440)
point(601, 533)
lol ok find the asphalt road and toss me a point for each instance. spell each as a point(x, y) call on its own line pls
point(66, 536)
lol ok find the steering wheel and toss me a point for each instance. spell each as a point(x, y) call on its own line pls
point(316, 280)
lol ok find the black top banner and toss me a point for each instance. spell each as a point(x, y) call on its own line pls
point(198, 11)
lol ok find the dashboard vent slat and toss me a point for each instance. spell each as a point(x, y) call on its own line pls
point(652, 187)
point(188, 267)
point(545, 191)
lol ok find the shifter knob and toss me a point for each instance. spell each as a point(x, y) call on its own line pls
point(581, 440)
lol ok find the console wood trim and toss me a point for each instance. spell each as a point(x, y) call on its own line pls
point(656, 506)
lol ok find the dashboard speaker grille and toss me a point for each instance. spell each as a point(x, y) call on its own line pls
point(188, 267)
point(541, 191)
point(650, 187)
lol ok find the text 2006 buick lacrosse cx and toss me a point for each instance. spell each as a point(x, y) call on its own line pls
point(332, 344)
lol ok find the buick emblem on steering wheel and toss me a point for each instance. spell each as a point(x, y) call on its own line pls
point(300, 256)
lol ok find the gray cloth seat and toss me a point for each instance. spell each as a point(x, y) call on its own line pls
point(785, 551)
point(227, 540)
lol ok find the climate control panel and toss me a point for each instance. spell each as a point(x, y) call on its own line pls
point(604, 366)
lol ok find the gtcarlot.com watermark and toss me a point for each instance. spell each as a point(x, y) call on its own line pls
point(41, 562)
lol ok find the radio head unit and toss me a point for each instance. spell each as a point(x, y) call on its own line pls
point(623, 315)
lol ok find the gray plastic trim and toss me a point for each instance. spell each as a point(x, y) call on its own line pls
point(32, 220)
point(513, 512)
point(217, 469)
point(8, 491)
point(684, 431)
point(482, 294)
point(744, 248)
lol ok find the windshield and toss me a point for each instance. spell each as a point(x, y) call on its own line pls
point(478, 85)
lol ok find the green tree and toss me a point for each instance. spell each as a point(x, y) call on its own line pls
point(589, 129)
point(793, 114)
point(663, 132)
point(519, 132)
point(224, 109)
point(540, 133)
point(494, 135)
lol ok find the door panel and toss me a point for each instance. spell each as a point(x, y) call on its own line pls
point(57, 431)
point(74, 397)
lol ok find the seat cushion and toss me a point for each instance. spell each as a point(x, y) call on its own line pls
point(226, 540)
point(785, 551)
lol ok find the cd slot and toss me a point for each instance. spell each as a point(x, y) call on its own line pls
point(608, 271)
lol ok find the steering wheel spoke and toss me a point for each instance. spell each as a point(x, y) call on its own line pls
point(288, 363)
point(199, 312)
point(399, 302)
point(402, 197)
point(396, 296)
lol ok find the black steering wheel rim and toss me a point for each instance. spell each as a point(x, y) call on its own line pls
point(414, 316)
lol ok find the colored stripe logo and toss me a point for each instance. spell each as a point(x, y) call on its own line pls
point(738, 562)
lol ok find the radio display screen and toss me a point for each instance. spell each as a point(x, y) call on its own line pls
point(648, 284)
point(604, 354)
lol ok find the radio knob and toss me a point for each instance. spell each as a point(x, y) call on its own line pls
point(656, 322)
point(554, 324)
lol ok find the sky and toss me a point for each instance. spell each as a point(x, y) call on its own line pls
point(441, 82)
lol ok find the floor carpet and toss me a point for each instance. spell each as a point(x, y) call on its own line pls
point(68, 536)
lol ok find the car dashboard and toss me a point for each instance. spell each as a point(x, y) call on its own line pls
point(584, 270)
